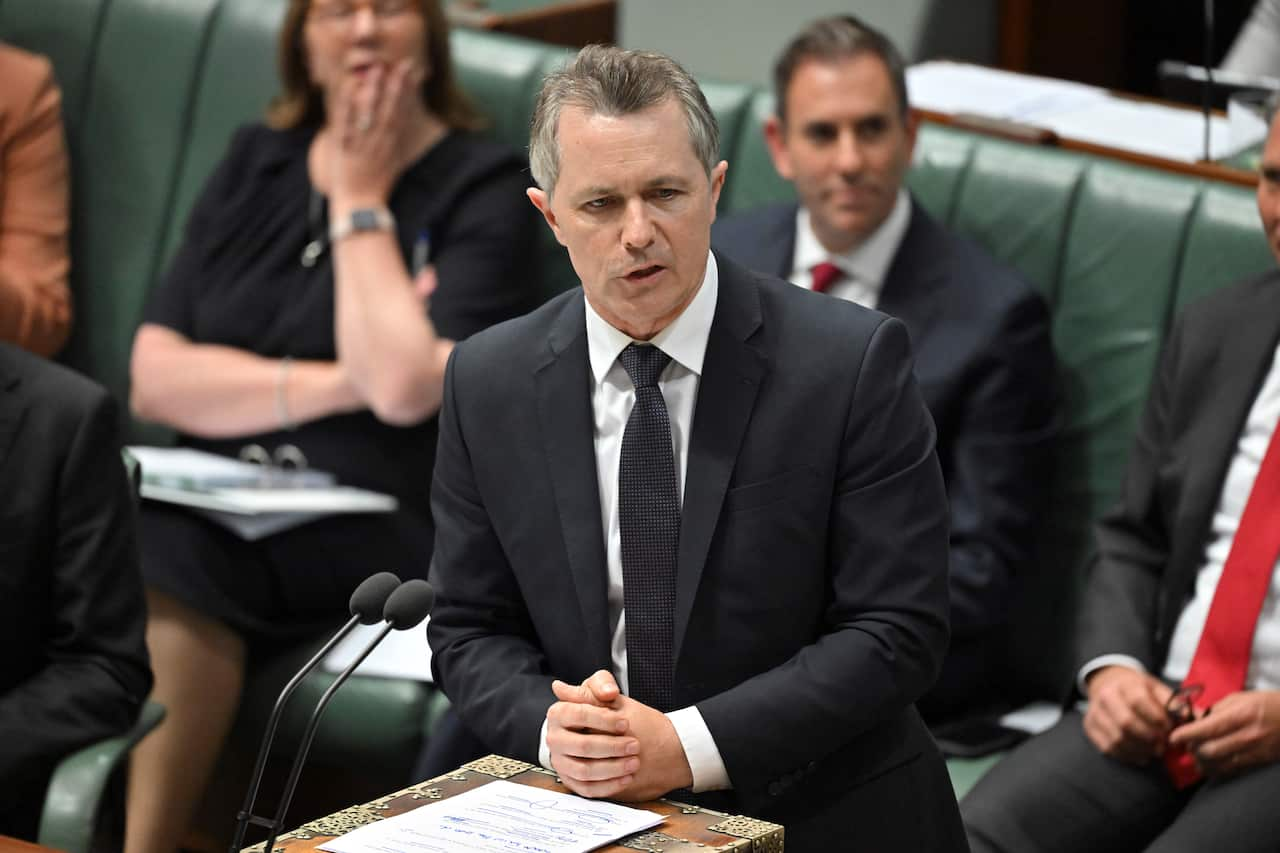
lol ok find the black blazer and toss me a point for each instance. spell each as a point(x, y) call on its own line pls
point(985, 363)
point(1151, 546)
point(74, 667)
point(811, 604)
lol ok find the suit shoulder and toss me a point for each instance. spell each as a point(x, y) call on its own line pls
point(1234, 303)
point(744, 234)
point(813, 322)
point(59, 396)
point(519, 338)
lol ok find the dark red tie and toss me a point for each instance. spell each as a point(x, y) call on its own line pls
point(1222, 656)
point(824, 275)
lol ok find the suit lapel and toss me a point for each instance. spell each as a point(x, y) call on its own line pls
point(732, 370)
point(1243, 358)
point(918, 269)
point(563, 382)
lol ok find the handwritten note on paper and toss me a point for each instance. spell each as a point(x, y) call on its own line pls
point(500, 817)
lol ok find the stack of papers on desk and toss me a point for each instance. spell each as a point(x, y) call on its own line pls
point(500, 817)
point(248, 499)
point(1071, 110)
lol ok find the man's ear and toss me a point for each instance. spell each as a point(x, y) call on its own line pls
point(542, 201)
point(717, 185)
point(775, 136)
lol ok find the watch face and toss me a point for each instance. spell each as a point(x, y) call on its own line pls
point(364, 220)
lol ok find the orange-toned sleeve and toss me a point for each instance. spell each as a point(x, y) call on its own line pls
point(35, 302)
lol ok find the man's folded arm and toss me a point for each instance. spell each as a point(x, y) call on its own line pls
point(886, 626)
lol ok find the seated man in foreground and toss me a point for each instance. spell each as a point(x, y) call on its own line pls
point(844, 135)
point(1179, 748)
point(74, 665)
point(707, 502)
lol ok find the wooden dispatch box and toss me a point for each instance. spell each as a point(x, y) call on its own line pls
point(686, 828)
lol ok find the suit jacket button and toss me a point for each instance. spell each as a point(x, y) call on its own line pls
point(775, 789)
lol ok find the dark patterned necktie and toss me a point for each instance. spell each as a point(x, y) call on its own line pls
point(649, 520)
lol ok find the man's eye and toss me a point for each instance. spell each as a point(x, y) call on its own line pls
point(597, 204)
point(665, 193)
point(820, 133)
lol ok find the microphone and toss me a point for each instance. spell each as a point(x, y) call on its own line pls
point(366, 607)
point(405, 609)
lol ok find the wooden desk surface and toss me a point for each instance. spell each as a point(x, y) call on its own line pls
point(687, 828)
point(14, 845)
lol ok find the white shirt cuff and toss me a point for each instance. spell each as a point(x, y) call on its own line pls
point(1098, 663)
point(699, 749)
point(544, 751)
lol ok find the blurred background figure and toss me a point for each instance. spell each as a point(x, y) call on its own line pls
point(333, 258)
point(35, 304)
point(74, 666)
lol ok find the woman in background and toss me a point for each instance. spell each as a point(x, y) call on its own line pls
point(296, 312)
point(35, 303)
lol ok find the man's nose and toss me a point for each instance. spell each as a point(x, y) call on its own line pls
point(637, 225)
point(848, 152)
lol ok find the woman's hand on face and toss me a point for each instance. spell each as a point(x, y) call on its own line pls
point(372, 127)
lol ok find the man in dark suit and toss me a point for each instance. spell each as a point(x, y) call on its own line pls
point(1182, 615)
point(844, 135)
point(691, 527)
point(74, 665)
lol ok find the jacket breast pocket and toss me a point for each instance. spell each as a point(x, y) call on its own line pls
point(797, 484)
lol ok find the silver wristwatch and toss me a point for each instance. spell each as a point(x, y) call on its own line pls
point(362, 219)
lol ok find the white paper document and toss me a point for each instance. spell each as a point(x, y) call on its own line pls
point(500, 817)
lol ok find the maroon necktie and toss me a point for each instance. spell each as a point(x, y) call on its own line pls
point(1222, 656)
point(824, 275)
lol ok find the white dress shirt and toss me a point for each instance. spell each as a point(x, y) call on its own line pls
point(864, 266)
point(612, 396)
point(1264, 660)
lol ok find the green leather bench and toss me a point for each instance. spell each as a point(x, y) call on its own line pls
point(153, 88)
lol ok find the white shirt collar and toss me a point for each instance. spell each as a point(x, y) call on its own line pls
point(684, 339)
point(868, 262)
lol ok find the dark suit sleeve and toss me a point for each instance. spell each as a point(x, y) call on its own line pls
point(885, 627)
point(1119, 610)
point(480, 628)
point(97, 672)
point(999, 455)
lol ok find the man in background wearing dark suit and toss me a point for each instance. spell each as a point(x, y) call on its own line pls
point(1179, 748)
point(844, 135)
point(691, 528)
point(73, 663)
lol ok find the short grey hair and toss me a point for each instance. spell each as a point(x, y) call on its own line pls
point(606, 80)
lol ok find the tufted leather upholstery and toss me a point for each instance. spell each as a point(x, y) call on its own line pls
point(152, 89)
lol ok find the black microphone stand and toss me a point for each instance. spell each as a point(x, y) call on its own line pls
point(246, 816)
point(295, 771)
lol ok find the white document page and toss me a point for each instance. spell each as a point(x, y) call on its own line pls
point(956, 87)
point(500, 817)
point(402, 654)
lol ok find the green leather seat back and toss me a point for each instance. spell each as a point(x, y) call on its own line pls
point(236, 80)
point(731, 105)
point(1015, 201)
point(1224, 244)
point(67, 32)
point(938, 166)
point(502, 75)
point(752, 180)
point(129, 146)
point(1120, 264)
